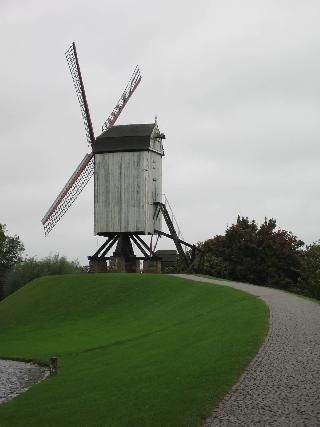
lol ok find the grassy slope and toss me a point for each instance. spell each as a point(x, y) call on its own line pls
point(136, 350)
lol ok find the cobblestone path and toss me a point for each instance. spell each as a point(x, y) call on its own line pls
point(281, 385)
point(17, 377)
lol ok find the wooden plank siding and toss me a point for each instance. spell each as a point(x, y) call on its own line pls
point(126, 186)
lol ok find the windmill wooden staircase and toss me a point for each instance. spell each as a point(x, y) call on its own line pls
point(185, 258)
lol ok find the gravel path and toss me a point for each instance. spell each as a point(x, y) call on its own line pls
point(17, 377)
point(281, 385)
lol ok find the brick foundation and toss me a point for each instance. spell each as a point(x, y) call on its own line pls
point(98, 266)
point(123, 265)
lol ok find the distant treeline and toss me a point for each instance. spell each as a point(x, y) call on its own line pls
point(263, 255)
point(247, 252)
point(16, 270)
point(31, 267)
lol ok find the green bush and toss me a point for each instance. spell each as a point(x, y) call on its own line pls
point(31, 268)
point(309, 282)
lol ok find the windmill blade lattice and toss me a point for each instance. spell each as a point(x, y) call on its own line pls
point(126, 95)
point(69, 193)
point(73, 63)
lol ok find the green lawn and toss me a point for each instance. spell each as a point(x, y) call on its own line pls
point(133, 349)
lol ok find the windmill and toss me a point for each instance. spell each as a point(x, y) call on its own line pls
point(126, 161)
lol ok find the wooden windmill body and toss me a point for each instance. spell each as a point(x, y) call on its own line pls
point(128, 179)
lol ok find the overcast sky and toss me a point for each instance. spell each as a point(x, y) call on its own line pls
point(235, 86)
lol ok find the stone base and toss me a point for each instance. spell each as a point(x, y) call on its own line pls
point(98, 266)
point(123, 265)
point(152, 266)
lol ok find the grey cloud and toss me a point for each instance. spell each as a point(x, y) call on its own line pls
point(234, 84)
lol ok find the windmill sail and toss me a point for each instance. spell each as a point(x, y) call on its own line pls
point(85, 170)
point(124, 98)
point(69, 193)
point(73, 63)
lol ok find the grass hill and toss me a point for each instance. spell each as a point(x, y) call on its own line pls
point(133, 349)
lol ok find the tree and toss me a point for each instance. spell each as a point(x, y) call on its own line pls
point(11, 249)
point(261, 255)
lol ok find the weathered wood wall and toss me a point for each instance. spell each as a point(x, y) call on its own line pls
point(126, 186)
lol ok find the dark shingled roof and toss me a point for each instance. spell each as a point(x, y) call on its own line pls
point(124, 138)
point(128, 130)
